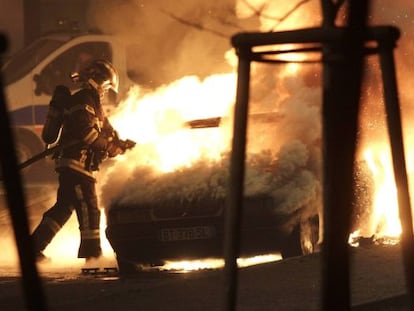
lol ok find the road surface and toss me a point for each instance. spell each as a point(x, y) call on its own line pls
point(293, 284)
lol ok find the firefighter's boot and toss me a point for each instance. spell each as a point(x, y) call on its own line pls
point(42, 236)
point(90, 246)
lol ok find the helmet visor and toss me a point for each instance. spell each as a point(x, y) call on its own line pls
point(112, 81)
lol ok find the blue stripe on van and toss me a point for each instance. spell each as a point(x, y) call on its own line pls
point(30, 115)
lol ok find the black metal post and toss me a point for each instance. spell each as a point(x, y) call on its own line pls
point(35, 298)
point(341, 95)
point(236, 181)
point(398, 159)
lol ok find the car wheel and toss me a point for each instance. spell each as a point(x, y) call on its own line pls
point(125, 267)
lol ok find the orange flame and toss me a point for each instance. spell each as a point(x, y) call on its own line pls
point(158, 121)
point(385, 217)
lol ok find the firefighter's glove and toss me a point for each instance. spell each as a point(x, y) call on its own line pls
point(114, 149)
point(118, 146)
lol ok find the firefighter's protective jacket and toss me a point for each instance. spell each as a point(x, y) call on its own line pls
point(84, 122)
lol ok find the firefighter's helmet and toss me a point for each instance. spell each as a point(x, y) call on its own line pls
point(100, 74)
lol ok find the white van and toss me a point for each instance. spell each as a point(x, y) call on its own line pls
point(31, 75)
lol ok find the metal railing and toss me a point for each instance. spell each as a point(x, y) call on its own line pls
point(342, 50)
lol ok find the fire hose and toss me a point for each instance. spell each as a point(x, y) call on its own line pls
point(123, 144)
point(39, 156)
point(45, 153)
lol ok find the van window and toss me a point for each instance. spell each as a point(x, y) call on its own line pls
point(21, 63)
point(59, 70)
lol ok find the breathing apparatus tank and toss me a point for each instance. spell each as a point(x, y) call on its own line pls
point(54, 120)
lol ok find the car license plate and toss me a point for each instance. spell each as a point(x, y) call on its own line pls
point(186, 233)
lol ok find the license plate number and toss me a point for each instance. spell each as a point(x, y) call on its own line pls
point(188, 233)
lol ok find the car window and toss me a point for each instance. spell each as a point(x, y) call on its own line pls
point(59, 70)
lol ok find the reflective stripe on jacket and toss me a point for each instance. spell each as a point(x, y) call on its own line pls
point(83, 121)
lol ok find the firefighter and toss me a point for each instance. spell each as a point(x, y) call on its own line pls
point(87, 138)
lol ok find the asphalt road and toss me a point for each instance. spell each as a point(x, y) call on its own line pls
point(377, 283)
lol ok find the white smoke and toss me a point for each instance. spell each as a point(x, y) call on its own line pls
point(170, 39)
point(284, 175)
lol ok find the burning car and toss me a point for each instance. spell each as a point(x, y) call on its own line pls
point(159, 211)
